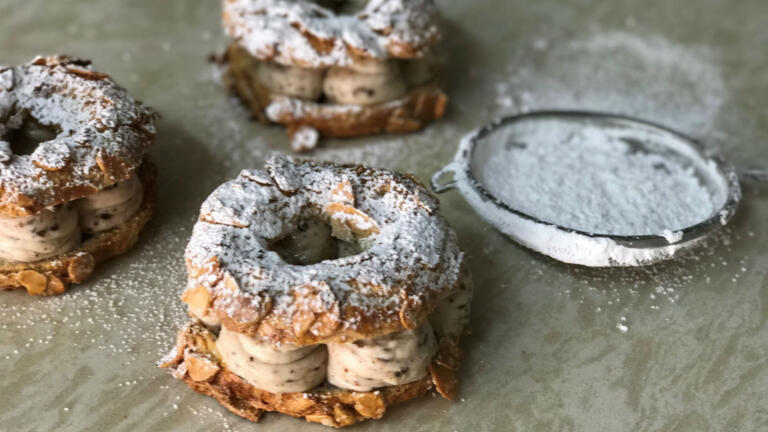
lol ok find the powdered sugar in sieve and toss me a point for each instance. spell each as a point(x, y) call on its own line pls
point(593, 189)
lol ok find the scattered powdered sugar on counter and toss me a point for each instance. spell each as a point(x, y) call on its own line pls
point(115, 311)
point(682, 85)
point(595, 180)
point(622, 325)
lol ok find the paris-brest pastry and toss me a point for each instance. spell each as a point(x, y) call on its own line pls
point(75, 187)
point(321, 291)
point(336, 68)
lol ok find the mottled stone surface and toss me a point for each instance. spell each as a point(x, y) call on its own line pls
point(681, 346)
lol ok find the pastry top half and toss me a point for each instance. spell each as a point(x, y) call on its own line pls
point(307, 252)
point(320, 34)
point(97, 134)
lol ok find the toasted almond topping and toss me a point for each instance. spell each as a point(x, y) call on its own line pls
point(199, 367)
point(198, 299)
point(34, 282)
point(370, 405)
point(316, 310)
point(445, 380)
point(349, 223)
point(81, 267)
point(88, 74)
point(343, 193)
point(55, 286)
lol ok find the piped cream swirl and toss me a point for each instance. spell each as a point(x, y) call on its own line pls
point(366, 83)
point(110, 207)
point(56, 231)
point(275, 369)
point(393, 359)
point(43, 235)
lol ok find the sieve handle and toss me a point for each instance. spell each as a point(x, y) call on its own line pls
point(438, 176)
point(754, 175)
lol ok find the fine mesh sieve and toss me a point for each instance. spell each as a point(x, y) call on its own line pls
point(594, 247)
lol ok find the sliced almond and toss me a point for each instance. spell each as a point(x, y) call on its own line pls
point(80, 267)
point(348, 223)
point(112, 167)
point(198, 299)
point(211, 267)
point(247, 311)
point(87, 74)
point(343, 416)
point(298, 404)
point(323, 419)
point(200, 367)
point(370, 405)
point(231, 283)
point(51, 156)
point(55, 286)
point(34, 282)
point(343, 193)
point(315, 310)
point(445, 380)
point(409, 314)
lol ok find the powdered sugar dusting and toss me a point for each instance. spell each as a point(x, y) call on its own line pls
point(284, 31)
point(115, 320)
point(96, 120)
point(682, 85)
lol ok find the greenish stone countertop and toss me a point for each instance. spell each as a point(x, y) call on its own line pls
point(681, 346)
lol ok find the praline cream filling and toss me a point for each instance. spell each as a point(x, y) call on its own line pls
point(452, 313)
point(393, 359)
point(275, 369)
point(58, 230)
point(46, 234)
point(362, 365)
point(110, 207)
point(368, 82)
point(291, 81)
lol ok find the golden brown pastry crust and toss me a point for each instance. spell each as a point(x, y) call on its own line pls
point(54, 275)
point(196, 361)
point(420, 106)
point(383, 295)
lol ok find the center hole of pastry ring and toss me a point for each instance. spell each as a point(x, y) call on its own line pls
point(311, 241)
point(21, 133)
point(344, 7)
